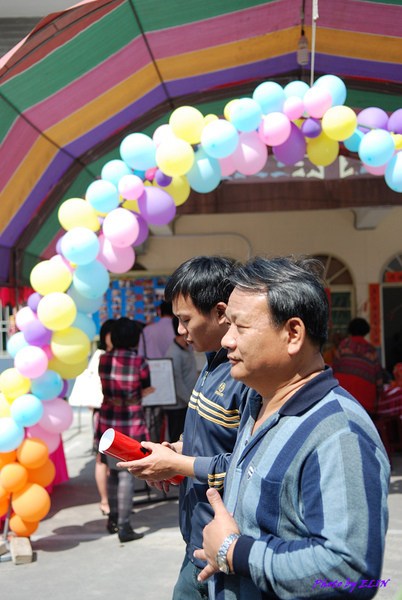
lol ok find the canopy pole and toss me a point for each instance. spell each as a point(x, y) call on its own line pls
point(314, 19)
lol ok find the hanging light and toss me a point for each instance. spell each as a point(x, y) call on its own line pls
point(303, 55)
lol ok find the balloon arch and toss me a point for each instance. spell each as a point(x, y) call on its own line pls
point(153, 177)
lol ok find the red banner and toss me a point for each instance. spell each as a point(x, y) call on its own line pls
point(375, 314)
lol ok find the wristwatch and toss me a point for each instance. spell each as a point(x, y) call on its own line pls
point(221, 559)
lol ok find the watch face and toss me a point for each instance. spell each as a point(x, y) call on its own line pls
point(222, 564)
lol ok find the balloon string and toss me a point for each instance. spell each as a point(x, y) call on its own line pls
point(315, 17)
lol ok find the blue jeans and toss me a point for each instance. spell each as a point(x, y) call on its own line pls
point(187, 586)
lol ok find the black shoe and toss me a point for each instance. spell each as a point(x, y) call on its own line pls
point(111, 525)
point(127, 534)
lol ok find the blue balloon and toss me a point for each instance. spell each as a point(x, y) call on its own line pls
point(47, 386)
point(219, 138)
point(246, 114)
point(393, 173)
point(296, 88)
point(270, 96)
point(205, 174)
point(15, 343)
point(376, 148)
point(138, 151)
point(83, 304)
point(11, 434)
point(86, 324)
point(80, 245)
point(353, 142)
point(92, 280)
point(103, 196)
point(336, 88)
point(26, 410)
point(114, 170)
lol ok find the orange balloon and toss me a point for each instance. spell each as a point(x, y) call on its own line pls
point(44, 475)
point(32, 503)
point(4, 504)
point(32, 453)
point(13, 477)
point(7, 457)
point(4, 495)
point(22, 528)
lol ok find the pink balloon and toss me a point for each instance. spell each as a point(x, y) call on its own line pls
point(48, 351)
point(156, 206)
point(57, 416)
point(317, 100)
point(24, 315)
point(150, 173)
point(293, 149)
point(274, 129)
point(293, 108)
point(251, 153)
point(115, 259)
point(130, 187)
point(31, 361)
point(376, 170)
point(120, 227)
point(227, 166)
point(162, 133)
point(52, 440)
point(144, 230)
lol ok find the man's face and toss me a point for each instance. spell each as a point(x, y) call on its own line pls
point(202, 332)
point(256, 350)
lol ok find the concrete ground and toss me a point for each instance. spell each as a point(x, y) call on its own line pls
point(76, 558)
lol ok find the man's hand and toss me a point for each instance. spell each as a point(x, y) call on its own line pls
point(222, 525)
point(164, 462)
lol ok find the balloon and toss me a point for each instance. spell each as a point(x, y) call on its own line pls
point(11, 434)
point(77, 213)
point(335, 86)
point(85, 305)
point(227, 166)
point(36, 334)
point(13, 384)
point(296, 88)
point(32, 453)
point(103, 196)
point(4, 506)
point(57, 311)
point(24, 315)
point(144, 230)
point(22, 528)
point(251, 153)
point(51, 441)
point(150, 174)
point(397, 137)
point(376, 170)
point(31, 361)
point(175, 157)
point(393, 173)
point(13, 477)
point(293, 108)
point(161, 179)
point(179, 189)
point(245, 115)
point(48, 351)
point(219, 138)
point(311, 128)
point(209, 119)
point(157, 207)
point(26, 410)
point(32, 503)
point(70, 345)
point(86, 324)
point(352, 143)
point(317, 100)
point(138, 151)
point(114, 170)
point(5, 407)
point(274, 129)
point(67, 371)
point(57, 416)
point(16, 342)
point(205, 174)
point(187, 124)
point(80, 246)
point(395, 122)
point(373, 118)
point(5, 459)
point(91, 280)
point(270, 96)
point(121, 227)
point(48, 276)
point(161, 133)
point(293, 150)
point(376, 148)
point(48, 386)
point(116, 260)
point(130, 187)
point(322, 150)
point(228, 108)
point(33, 301)
point(43, 475)
point(339, 123)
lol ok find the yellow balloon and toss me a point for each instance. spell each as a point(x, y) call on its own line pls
point(210, 118)
point(228, 108)
point(50, 276)
point(322, 151)
point(174, 157)
point(68, 371)
point(70, 345)
point(397, 137)
point(13, 384)
point(56, 311)
point(77, 212)
point(339, 123)
point(131, 205)
point(5, 406)
point(179, 189)
point(187, 124)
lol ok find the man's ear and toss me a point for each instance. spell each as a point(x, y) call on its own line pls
point(296, 334)
point(221, 312)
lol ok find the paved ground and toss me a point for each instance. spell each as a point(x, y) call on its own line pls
point(75, 557)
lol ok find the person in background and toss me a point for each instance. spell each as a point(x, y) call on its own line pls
point(329, 355)
point(185, 376)
point(124, 376)
point(357, 366)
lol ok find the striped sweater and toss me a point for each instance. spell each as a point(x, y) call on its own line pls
point(308, 491)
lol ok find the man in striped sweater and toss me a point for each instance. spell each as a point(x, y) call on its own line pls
point(304, 513)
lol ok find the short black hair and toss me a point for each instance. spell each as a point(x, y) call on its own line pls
point(106, 328)
point(125, 334)
point(294, 288)
point(205, 279)
point(358, 326)
point(166, 309)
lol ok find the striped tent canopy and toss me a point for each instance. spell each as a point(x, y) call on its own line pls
point(87, 76)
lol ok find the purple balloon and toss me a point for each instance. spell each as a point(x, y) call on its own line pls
point(34, 300)
point(293, 150)
point(311, 128)
point(395, 122)
point(162, 179)
point(144, 230)
point(36, 334)
point(58, 246)
point(373, 118)
point(156, 206)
